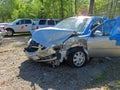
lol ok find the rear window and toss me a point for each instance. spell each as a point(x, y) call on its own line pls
point(42, 22)
point(22, 21)
point(51, 22)
point(28, 22)
point(57, 21)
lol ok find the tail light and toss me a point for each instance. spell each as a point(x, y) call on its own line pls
point(4, 28)
point(37, 27)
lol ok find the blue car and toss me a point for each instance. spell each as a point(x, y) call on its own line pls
point(74, 39)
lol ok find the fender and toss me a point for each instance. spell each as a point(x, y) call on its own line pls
point(71, 50)
point(9, 29)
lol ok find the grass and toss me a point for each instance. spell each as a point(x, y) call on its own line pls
point(117, 82)
point(100, 79)
point(110, 77)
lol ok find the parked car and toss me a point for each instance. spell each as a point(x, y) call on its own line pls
point(3, 32)
point(75, 40)
point(42, 23)
point(20, 25)
point(3, 24)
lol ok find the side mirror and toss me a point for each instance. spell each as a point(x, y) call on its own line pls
point(98, 33)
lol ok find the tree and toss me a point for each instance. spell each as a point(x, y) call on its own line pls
point(13, 9)
point(91, 7)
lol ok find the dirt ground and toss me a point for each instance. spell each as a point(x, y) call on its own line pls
point(19, 73)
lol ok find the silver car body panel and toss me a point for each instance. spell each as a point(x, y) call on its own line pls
point(101, 46)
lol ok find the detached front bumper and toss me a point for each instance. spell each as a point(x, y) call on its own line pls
point(41, 55)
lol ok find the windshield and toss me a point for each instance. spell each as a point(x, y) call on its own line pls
point(15, 21)
point(74, 23)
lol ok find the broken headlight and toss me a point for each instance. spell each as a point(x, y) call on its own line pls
point(32, 46)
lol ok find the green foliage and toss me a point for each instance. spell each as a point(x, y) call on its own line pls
point(109, 8)
point(60, 9)
point(118, 82)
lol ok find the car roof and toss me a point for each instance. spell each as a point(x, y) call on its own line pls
point(47, 19)
point(24, 19)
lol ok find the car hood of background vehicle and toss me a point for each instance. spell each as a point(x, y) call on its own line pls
point(50, 36)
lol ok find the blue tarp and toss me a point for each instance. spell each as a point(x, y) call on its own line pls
point(115, 33)
point(108, 26)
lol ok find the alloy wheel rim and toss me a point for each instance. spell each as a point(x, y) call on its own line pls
point(79, 58)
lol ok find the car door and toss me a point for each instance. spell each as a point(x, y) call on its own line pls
point(19, 26)
point(28, 25)
point(101, 45)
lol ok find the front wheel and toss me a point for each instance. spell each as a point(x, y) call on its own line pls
point(77, 58)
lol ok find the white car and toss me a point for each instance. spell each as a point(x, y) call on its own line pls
point(42, 23)
point(20, 25)
point(3, 24)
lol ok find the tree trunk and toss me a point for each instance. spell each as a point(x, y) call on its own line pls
point(61, 9)
point(75, 7)
point(91, 7)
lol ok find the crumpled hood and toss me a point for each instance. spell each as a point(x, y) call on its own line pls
point(50, 36)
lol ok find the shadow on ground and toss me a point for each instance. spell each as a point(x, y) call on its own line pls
point(66, 78)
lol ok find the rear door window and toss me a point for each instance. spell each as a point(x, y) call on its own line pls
point(42, 22)
point(20, 22)
point(57, 21)
point(28, 22)
point(51, 22)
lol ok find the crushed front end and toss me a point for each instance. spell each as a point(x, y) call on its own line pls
point(53, 45)
point(39, 53)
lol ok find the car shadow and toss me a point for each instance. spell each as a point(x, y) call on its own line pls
point(63, 77)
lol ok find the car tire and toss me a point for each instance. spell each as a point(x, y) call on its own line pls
point(9, 32)
point(77, 58)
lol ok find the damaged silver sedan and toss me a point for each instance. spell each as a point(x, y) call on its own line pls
point(74, 39)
